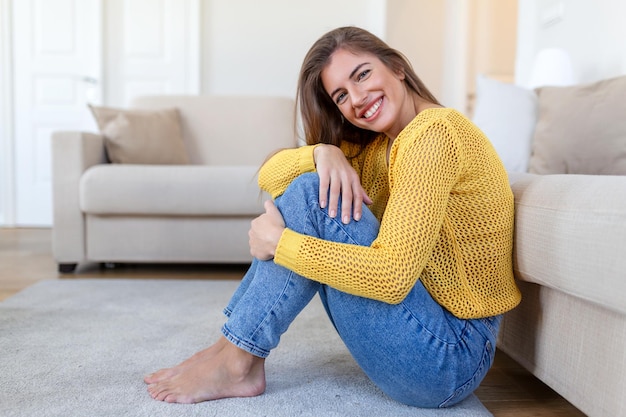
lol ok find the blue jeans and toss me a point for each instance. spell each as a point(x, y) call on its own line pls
point(416, 352)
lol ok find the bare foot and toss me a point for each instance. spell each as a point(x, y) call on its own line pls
point(203, 354)
point(221, 371)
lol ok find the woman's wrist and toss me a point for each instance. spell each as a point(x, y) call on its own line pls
point(316, 151)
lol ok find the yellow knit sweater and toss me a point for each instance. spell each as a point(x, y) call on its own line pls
point(446, 213)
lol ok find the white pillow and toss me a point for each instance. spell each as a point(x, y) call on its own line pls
point(507, 114)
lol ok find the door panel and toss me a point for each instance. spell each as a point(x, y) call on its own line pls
point(57, 68)
point(152, 48)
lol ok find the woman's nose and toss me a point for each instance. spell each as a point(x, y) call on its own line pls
point(358, 96)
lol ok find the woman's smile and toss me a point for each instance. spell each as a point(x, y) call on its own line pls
point(373, 109)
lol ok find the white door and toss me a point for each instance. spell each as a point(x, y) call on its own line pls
point(152, 47)
point(57, 70)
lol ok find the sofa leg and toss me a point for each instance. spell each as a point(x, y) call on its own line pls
point(67, 268)
point(110, 265)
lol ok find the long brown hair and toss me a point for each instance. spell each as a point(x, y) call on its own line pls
point(322, 120)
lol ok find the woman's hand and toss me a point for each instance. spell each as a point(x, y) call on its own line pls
point(265, 232)
point(337, 176)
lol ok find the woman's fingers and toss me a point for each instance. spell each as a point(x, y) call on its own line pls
point(350, 201)
point(324, 186)
point(265, 232)
point(336, 187)
point(339, 179)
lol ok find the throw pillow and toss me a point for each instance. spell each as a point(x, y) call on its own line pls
point(581, 129)
point(141, 136)
point(507, 114)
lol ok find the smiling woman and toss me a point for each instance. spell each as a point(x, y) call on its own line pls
point(383, 215)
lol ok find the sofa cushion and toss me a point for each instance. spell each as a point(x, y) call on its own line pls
point(581, 129)
point(141, 136)
point(189, 190)
point(230, 130)
point(507, 114)
point(570, 235)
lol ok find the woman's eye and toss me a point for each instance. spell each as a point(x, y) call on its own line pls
point(363, 75)
point(340, 98)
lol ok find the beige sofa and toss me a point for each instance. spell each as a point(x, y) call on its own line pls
point(570, 234)
point(192, 206)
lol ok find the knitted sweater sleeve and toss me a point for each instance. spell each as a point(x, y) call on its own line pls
point(425, 162)
point(283, 167)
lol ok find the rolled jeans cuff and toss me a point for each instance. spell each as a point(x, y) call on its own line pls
point(244, 344)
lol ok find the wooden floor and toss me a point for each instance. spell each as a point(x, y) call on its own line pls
point(25, 258)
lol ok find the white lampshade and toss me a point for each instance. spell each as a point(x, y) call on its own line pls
point(552, 67)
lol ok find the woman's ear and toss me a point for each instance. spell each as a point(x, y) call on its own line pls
point(400, 74)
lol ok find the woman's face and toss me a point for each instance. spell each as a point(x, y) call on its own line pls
point(367, 92)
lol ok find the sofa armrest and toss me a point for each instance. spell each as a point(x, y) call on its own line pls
point(570, 234)
point(72, 154)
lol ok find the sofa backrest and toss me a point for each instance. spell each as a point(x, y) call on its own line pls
point(230, 130)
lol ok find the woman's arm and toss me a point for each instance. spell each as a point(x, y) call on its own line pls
point(337, 177)
point(285, 166)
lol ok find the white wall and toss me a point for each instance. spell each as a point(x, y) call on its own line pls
point(6, 145)
point(257, 47)
point(592, 32)
point(407, 22)
point(449, 42)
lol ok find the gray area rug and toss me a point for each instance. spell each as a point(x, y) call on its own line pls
point(81, 347)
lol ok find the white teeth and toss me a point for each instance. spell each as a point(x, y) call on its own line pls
point(373, 109)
